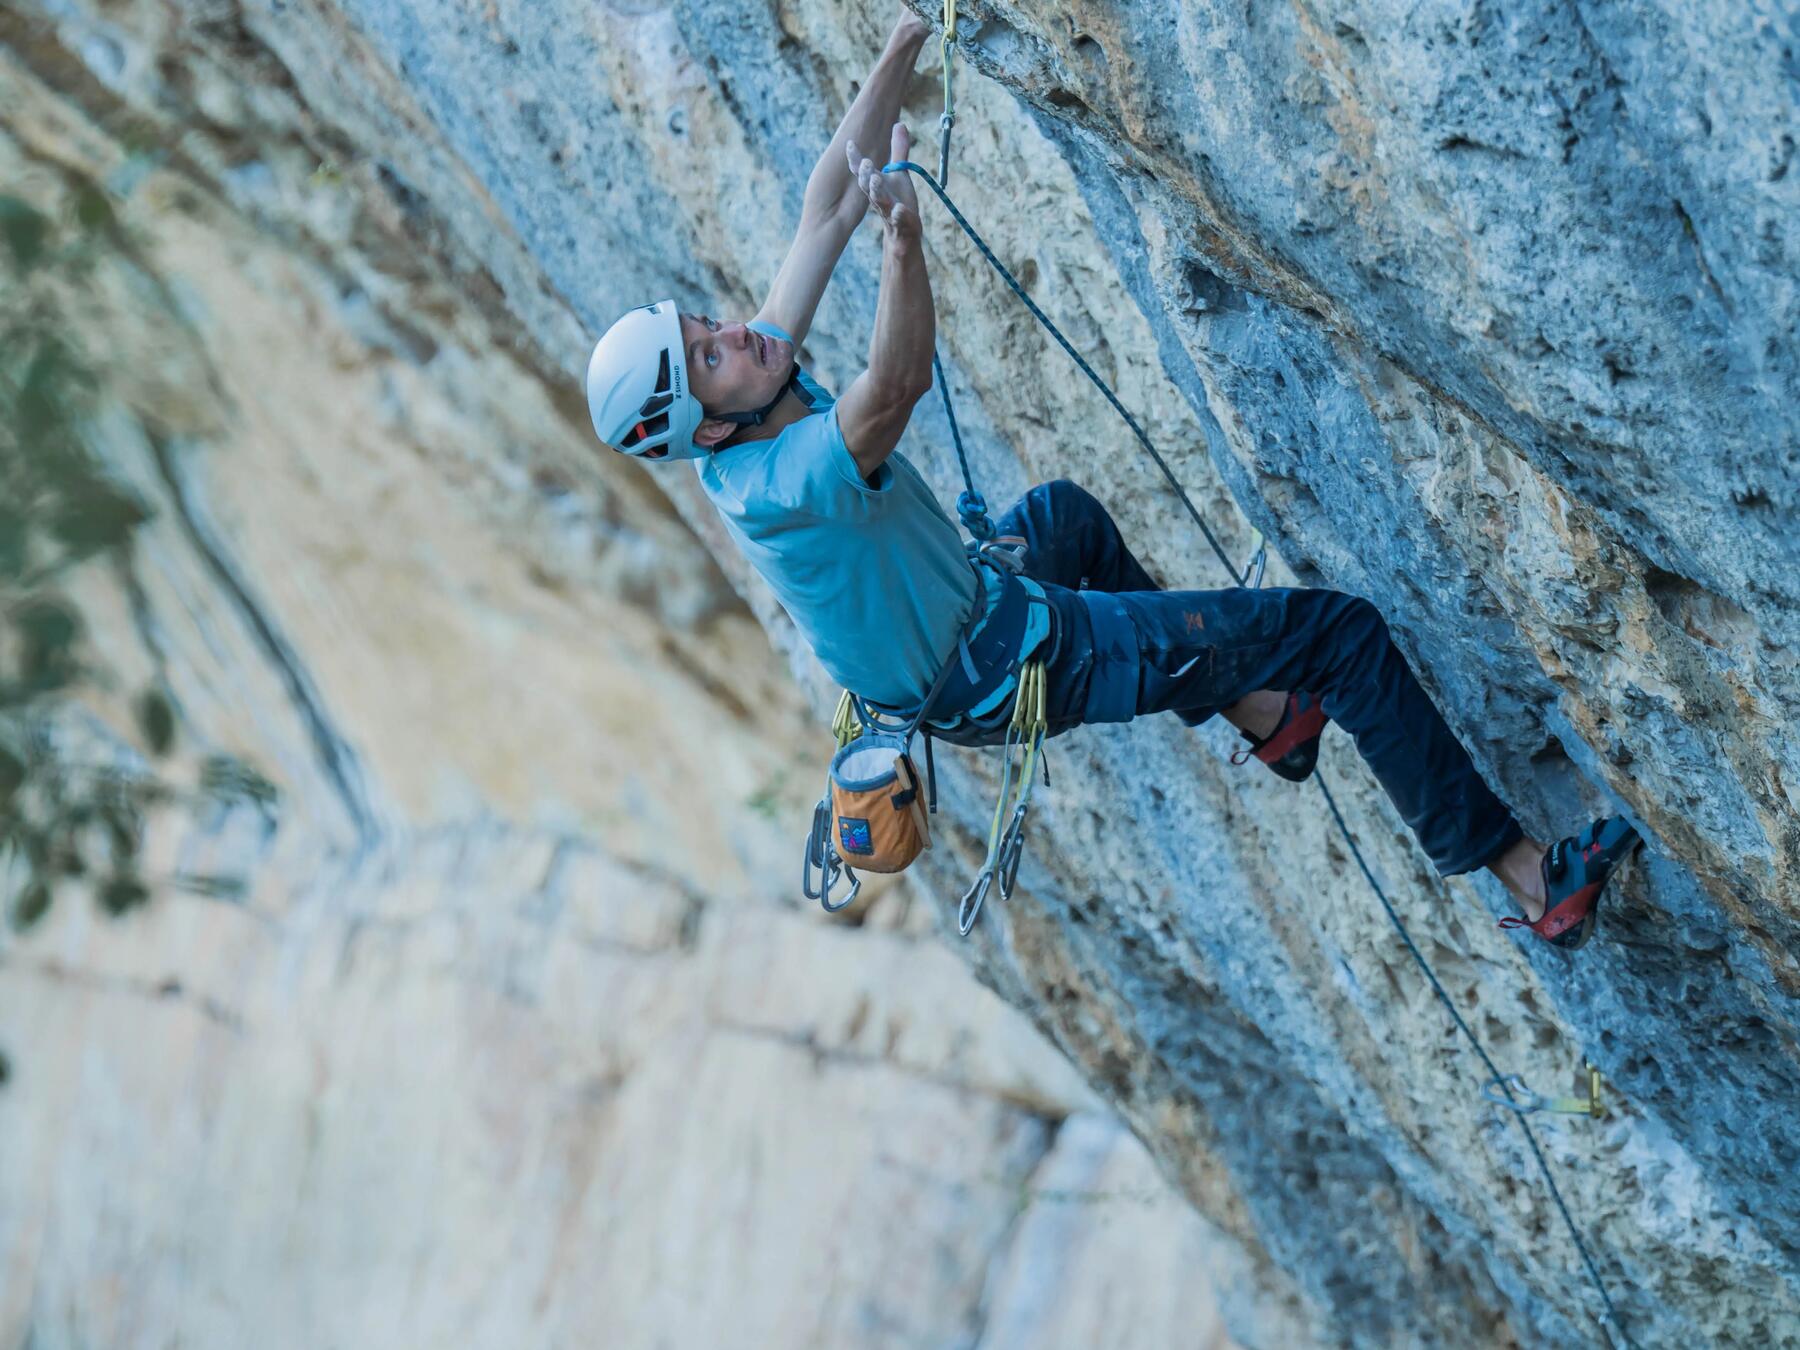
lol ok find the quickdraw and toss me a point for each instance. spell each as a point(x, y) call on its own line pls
point(948, 120)
point(1510, 1093)
point(1006, 836)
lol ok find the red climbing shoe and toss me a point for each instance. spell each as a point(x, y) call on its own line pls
point(1292, 749)
point(1575, 873)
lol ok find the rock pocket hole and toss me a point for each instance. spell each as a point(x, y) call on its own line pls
point(1206, 292)
point(1707, 618)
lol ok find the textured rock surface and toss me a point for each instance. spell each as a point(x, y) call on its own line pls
point(1485, 313)
point(477, 1057)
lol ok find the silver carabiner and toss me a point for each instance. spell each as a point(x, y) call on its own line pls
point(815, 859)
point(1007, 553)
point(823, 861)
point(1521, 1100)
point(1259, 563)
point(840, 869)
point(966, 913)
point(1012, 848)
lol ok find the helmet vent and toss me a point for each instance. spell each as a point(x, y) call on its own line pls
point(643, 431)
point(662, 374)
point(655, 404)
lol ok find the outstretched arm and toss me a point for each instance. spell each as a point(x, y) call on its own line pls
point(875, 408)
point(834, 205)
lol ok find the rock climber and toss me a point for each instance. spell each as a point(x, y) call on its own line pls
point(873, 572)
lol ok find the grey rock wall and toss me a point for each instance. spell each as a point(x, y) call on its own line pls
point(474, 1007)
point(1485, 312)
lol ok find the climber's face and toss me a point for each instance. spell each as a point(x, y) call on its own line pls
point(731, 368)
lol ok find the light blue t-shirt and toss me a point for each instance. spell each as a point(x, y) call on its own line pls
point(874, 575)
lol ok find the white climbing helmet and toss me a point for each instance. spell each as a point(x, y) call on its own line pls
point(637, 386)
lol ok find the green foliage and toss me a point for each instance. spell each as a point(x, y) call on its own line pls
point(33, 903)
point(25, 229)
point(122, 893)
point(231, 889)
point(767, 801)
point(64, 821)
point(12, 776)
point(156, 719)
point(231, 780)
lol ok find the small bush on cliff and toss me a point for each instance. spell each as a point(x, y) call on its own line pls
point(74, 795)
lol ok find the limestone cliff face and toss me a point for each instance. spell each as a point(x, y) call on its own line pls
point(490, 1017)
point(1486, 314)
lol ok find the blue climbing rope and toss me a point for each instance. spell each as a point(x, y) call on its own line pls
point(971, 507)
point(1609, 1322)
point(1055, 332)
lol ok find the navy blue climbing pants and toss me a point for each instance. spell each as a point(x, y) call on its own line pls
point(1122, 647)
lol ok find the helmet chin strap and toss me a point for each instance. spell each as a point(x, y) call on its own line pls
point(755, 419)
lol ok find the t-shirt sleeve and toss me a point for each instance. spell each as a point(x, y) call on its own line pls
point(825, 480)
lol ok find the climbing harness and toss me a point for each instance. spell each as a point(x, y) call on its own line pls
point(1511, 1094)
point(971, 505)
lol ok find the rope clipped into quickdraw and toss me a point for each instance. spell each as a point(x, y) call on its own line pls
point(971, 506)
point(1100, 384)
point(1519, 1107)
point(1006, 836)
point(1511, 1094)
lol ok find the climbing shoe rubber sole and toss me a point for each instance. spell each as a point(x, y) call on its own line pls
point(1291, 750)
point(1576, 871)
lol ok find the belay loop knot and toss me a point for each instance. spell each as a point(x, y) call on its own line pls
point(971, 509)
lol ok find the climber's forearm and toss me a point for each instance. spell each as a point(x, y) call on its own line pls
point(874, 411)
point(905, 318)
point(831, 190)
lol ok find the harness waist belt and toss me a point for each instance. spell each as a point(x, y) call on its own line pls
point(981, 664)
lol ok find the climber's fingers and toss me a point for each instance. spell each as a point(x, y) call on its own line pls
point(883, 191)
point(900, 148)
